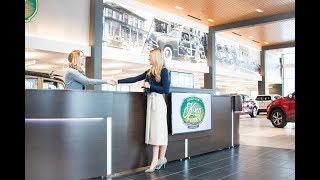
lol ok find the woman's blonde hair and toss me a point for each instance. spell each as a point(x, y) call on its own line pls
point(74, 57)
point(74, 60)
point(158, 64)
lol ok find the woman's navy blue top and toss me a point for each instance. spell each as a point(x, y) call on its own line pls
point(161, 87)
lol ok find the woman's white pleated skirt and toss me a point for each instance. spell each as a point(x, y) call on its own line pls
point(156, 120)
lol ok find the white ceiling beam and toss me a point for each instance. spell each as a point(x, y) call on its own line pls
point(55, 46)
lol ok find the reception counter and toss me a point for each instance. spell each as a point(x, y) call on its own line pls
point(73, 134)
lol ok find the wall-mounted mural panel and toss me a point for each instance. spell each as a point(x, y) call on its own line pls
point(237, 58)
point(130, 31)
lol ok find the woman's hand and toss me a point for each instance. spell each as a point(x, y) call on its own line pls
point(146, 84)
point(112, 82)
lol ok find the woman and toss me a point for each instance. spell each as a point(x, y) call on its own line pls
point(156, 84)
point(75, 77)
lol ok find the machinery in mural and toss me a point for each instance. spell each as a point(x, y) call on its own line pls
point(178, 44)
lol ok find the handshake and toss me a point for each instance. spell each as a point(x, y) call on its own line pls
point(114, 82)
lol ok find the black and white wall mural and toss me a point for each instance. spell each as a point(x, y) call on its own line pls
point(137, 32)
point(237, 58)
point(177, 42)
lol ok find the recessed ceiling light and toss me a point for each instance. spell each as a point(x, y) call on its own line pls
point(62, 61)
point(112, 72)
point(31, 54)
point(112, 65)
point(259, 10)
point(42, 66)
point(266, 42)
point(28, 63)
point(210, 20)
point(255, 41)
point(178, 7)
point(236, 34)
point(251, 37)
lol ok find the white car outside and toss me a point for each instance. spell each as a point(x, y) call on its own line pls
point(264, 100)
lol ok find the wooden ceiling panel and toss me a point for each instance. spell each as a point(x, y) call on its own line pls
point(222, 11)
point(273, 33)
point(231, 11)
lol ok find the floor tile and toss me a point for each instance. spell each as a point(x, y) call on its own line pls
point(149, 176)
point(194, 172)
point(264, 153)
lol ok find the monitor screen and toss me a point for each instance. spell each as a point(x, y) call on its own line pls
point(191, 112)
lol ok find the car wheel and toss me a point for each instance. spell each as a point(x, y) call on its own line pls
point(278, 118)
point(254, 112)
point(167, 53)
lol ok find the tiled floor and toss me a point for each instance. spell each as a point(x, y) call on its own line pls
point(265, 153)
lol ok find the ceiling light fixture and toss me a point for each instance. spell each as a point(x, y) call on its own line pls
point(62, 61)
point(178, 7)
point(259, 10)
point(112, 72)
point(43, 66)
point(29, 63)
point(194, 17)
point(266, 42)
point(112, 65)
point(138, 69)
point(251, 37)
point(236, 34)
point(31, 54)
point(255, 41)
point(210, 20)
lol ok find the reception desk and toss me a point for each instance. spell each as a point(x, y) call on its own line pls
point(72, 134)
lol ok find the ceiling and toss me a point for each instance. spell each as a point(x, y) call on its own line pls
point(232, 11)
point(221, 11)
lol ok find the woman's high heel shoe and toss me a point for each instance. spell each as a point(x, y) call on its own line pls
point(150, 170)
point(161, 162)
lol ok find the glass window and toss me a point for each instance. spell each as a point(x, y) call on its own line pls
point(120, 17)
point(140, 24)
point(31, 83)
point(125, 18)
point(277, 97)
point(130, 20)
point(174, 33)
point(110, 12)
point(288, 73)
point(117, 15)
point(47, 84)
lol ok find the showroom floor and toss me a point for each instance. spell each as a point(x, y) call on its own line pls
point(264, 153)
point(260, 132)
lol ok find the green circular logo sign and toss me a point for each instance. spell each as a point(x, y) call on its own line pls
point(31, 8)
point(192, 112)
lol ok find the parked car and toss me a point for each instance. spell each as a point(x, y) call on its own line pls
point(249, 105)
point(264, 100)
point(178, 43)
point(41, 80)
point(282, 110)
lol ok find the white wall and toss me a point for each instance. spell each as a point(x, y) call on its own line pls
point(60, 21)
